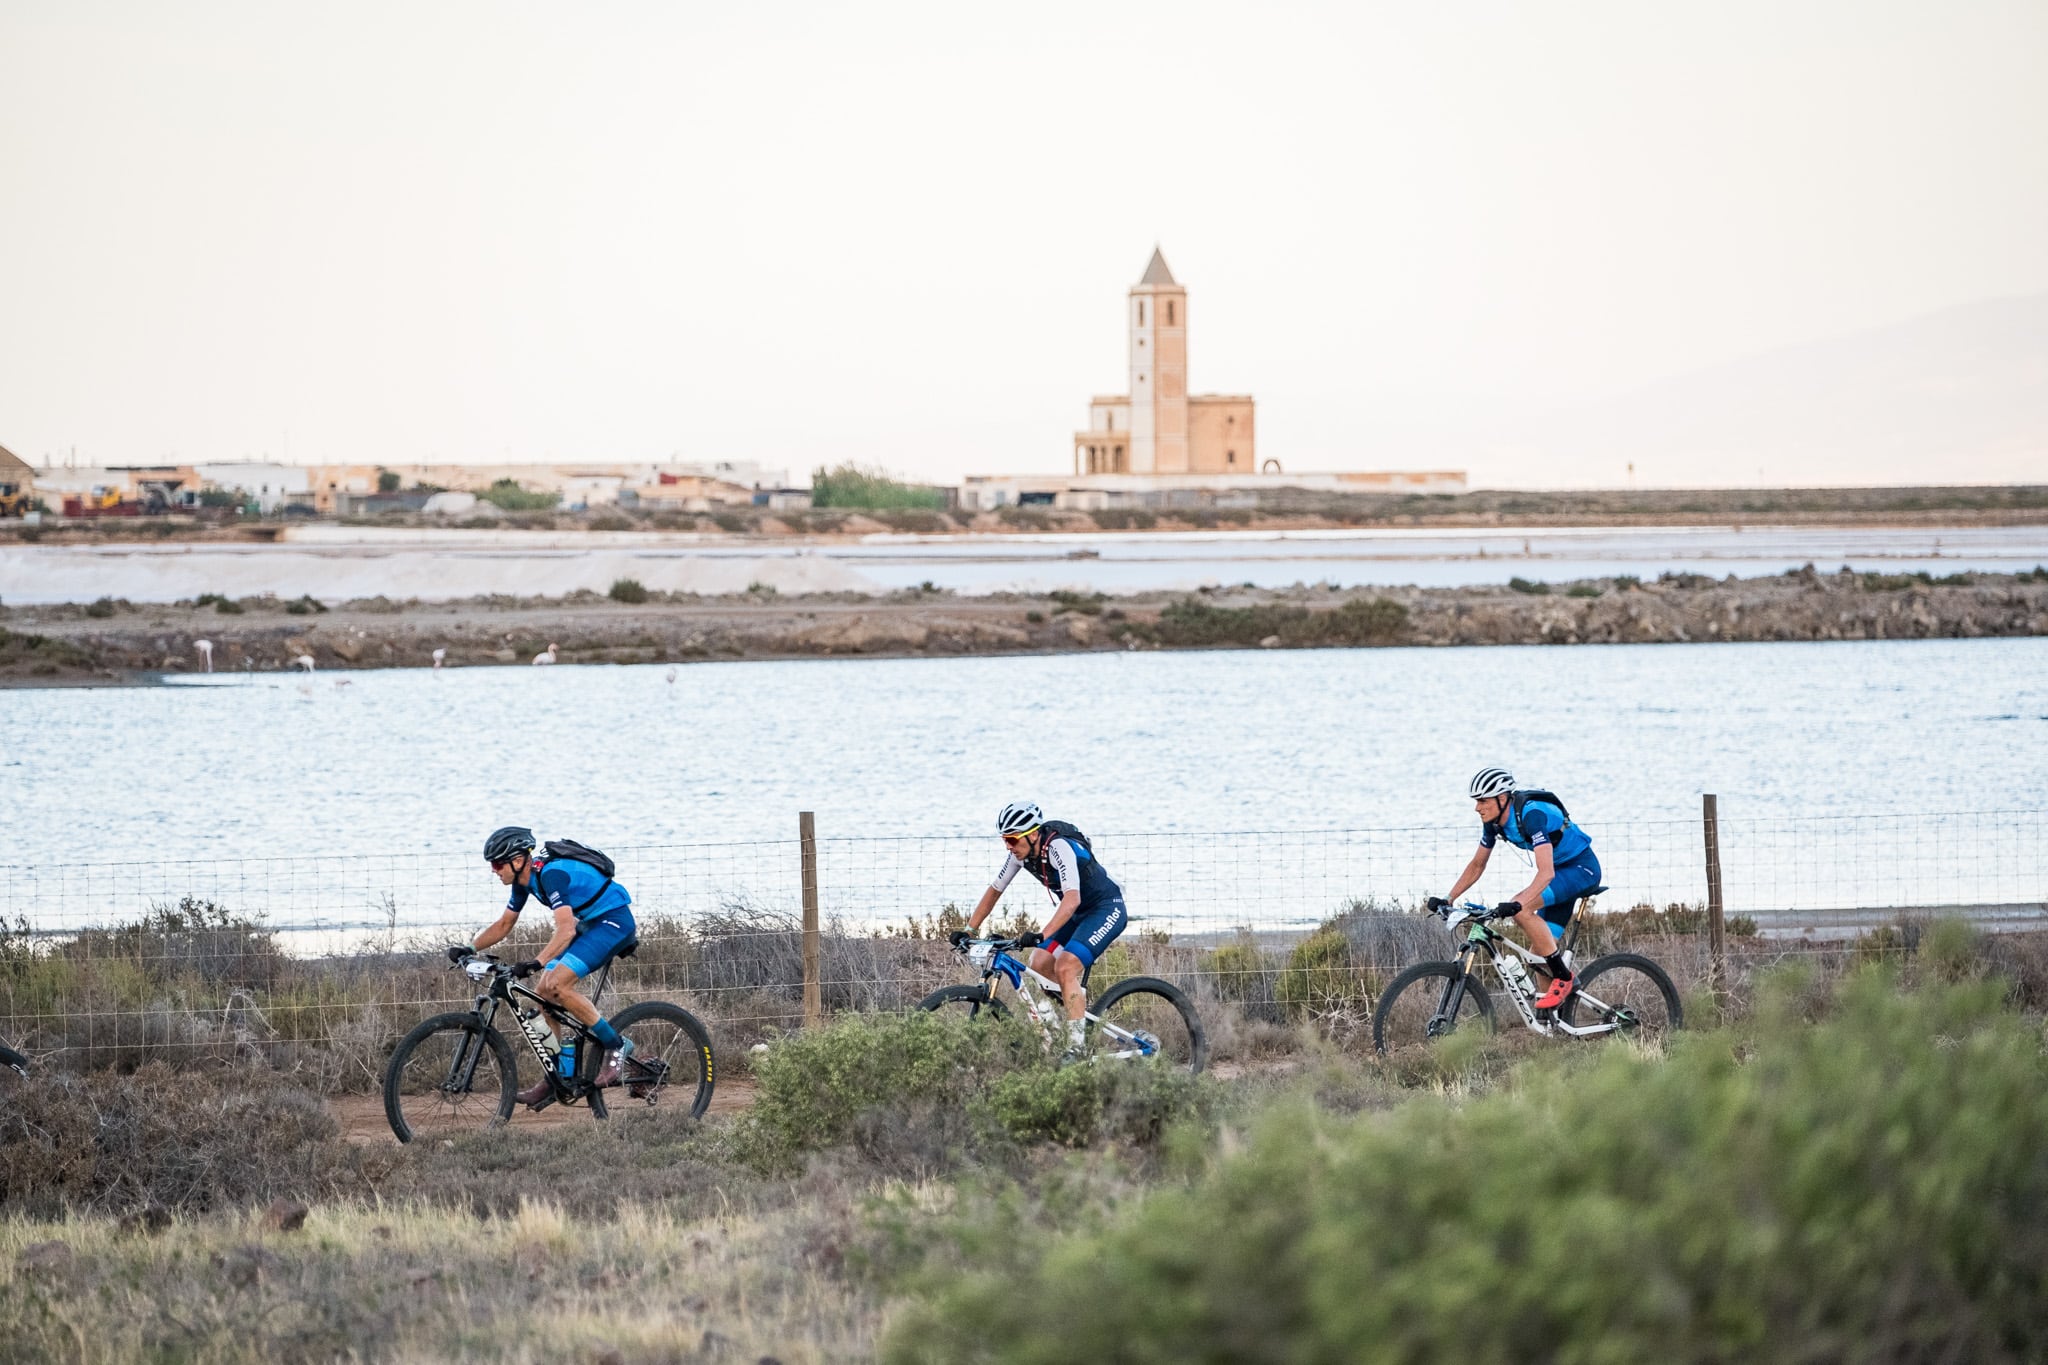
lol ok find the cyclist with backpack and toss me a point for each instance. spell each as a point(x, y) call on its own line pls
point(593, 919)
point(1087, 917)
point(1536, 822)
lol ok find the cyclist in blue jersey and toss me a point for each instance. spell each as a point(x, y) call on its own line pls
point(593, 919)
point(1089, 911)
point(1565, 868)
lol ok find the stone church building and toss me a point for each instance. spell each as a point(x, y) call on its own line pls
point(1159, 428)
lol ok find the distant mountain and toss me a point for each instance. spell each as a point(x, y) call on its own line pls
point(1955, 396)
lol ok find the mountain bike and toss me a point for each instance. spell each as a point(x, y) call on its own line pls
point(13, 1061)
point(1140, 1018)
point(456, 1072)
point(1619, 993)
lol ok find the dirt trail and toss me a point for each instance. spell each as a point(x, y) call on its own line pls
point(362, 1116)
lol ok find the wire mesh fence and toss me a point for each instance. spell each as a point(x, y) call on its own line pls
point(321, 962)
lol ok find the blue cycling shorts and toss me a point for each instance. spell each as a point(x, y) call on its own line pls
point(1567, 883)
point(1087, 936)
point(596, 940)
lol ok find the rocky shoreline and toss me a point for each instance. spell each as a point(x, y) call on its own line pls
point(113, 644)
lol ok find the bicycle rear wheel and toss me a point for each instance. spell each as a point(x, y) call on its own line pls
point(1142, 1018)
point(449, 1076)
point(671, 1062)
point(1629, 993)
point(1417, 1006)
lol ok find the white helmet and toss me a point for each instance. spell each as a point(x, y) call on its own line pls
point(1018, 817)
point(1491, 782)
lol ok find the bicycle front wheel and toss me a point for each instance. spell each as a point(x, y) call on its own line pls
point(450, 1076)
point(1628, 994)
point(1427, 1002)
point(671, 1062)
point(969, 1001)
point(1142, 1018)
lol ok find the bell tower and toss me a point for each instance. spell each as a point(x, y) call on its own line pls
point(1159, 372)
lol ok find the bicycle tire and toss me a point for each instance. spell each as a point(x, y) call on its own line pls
point(974, 999)
point(1403, 1015)
point(684, 1055)
point(1635, 984)
point(410, 1121)
point(1149, 1005)
point(10, 1060)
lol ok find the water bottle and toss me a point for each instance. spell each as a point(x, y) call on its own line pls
point(538, 1030)
point(568, 1058)
point(1513, 972)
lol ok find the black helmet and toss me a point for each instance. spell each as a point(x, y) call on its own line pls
point(505, 843)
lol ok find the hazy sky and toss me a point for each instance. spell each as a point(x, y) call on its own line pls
point(902, 234)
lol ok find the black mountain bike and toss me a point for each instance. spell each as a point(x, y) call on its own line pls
point(12, 1061)
point(1620, 993)
point(457, 1073)
point(1140, 1018)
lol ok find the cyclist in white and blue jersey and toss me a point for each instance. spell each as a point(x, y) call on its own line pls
point(1087, 916)
point(1565, 868)
point(593, 919)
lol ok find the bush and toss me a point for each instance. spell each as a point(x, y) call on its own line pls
point(1582, 590)
point(1871, 1187)
point(1320, 977)
point(225, 606)
point(164, 1138)
point(1524, 585)
point(627, 590)
point(39, 654)
point(1359, 621)
point(100, 609)
point(1078, 1106)
point(307, 605)
point(509, 495)
point(850, 485)
point(1125, 519)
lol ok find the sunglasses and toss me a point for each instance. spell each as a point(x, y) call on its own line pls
point(1019, 838)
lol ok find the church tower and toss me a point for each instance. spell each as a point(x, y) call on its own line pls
point(1159, 372)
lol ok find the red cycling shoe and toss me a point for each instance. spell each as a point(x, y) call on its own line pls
point(1559, 992)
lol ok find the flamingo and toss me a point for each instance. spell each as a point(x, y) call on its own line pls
point(546, 656)
point(342, 682)
point(671, 674)
point(304, 661)
point(439, 655)
point(205, 648)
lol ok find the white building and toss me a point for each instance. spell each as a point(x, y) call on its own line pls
point(270, 486)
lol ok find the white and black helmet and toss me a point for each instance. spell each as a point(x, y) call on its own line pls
point(1019, 816)
point(1491, 782)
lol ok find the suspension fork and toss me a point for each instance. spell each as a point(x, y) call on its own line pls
point(462, 1070)
point(1454, 990)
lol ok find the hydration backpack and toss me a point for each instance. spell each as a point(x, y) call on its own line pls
point(1517, 800)
point(568, 850)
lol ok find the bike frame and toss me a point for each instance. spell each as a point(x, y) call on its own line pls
point(996, 962)
point(1482, 938)
point(462, 1071)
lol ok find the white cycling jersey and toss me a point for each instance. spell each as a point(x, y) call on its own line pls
point(1059, 852)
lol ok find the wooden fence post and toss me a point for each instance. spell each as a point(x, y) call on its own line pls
point(1717, 926)
point(814, 997)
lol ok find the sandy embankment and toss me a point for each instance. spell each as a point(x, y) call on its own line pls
point(54, 645)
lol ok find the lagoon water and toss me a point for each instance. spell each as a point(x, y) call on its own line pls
point(1234, 785)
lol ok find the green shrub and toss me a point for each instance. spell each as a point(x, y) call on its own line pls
point(850, 485)
point(627, 590)
point(1086, 603)
point(1519, 584)
point(1322, 976)
point(100, 608)
point(306, 605)
point(1627, 582)
point(225, 606)
point(508, 494)
point(1036, 618)
point(1868, 1188)
point(731, 523)
point(1078, 1106)
point(1582, 590)
point(1125, 519)
point(39, 653)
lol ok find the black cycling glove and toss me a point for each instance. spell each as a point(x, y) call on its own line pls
point(1507, 909)
point(460, 952)
point(960, 938)
point(526, 968)
point(1437, 904)
point(1030, 938)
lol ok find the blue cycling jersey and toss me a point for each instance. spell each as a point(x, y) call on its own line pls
point(1542, 824)
point(566, 884)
